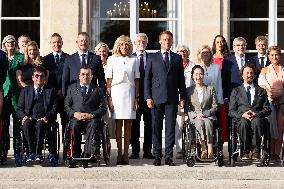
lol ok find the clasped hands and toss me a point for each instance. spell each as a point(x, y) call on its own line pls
point(83, 116)
point(44, 119)
point(250, 115)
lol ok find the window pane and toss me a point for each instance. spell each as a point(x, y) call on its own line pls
point(280, 8)
point(21, 27)
point(248, 30)
point(153, 29)
point(114, 8)
point(112, 29)
point(249, 8)
point(20, 8)
point(153, 9)
point(280, 36)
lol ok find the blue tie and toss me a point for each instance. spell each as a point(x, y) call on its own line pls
point(57, 58)
point(249, 95)
point(83, 64)
point(83, 89)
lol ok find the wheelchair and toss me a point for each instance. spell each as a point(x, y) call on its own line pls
point(51, 139)
point(236, 146)
point(191, 146)
point(102, 132)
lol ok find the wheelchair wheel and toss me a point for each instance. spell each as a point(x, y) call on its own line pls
point(190, 162)
point(106, 143)
point(265, 160)
point(220, 161)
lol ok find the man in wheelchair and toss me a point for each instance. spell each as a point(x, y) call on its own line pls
point(85, 106)
point(249, 108)
point(37, 110)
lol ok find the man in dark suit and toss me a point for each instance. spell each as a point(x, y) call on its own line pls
point(164, 82)
point(261, 60)
point(82, 58)
point(37, 110)
point(54, 63)
point(249, 108)
point(232, 66)
point(140, 44)
point(85, 106)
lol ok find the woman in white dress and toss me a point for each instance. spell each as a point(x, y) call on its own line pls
point(122, 92)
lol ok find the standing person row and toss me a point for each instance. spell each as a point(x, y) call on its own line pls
point(140, 44)
point(123, 92)
point(164, 86)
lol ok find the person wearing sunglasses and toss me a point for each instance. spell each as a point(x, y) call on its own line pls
point(37, 111)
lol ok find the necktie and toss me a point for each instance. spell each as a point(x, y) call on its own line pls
point(57, 58)
point(83, 89)
point(141, 67)
point(166, 59)
point(249, 95)
point(83, 63)
point(262, 62)
point(242, 62)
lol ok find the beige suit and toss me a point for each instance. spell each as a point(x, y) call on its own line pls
point(208, 107)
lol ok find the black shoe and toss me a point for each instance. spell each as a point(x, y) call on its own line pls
point(85, 164)
point(148, 156)
point(157, 162)
point(134, 156)
point(169, 162)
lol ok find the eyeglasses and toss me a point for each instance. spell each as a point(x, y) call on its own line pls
point(182, 51)
point(205, 52)
point(39, 75)
point(239, 45)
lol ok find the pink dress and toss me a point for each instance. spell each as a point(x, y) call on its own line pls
point(222, 110)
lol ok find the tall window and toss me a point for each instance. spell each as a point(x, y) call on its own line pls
point(110, 19)
point(252, 18)
point(20, 17)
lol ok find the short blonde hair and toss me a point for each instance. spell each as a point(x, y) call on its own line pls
point(261, 38)
point(122, 39)
point(27, 60)
point(101, 45)
point(9, 38)
point(274, 48)
point(199, 53)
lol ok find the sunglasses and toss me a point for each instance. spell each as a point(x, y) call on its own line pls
point(39, 75)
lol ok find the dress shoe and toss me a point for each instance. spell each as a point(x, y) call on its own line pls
point(157, 162)
point(85, 164)
point(134, 156)
point(39, 157)
point(169, 162)
point(119, 160)
point(148, 156)
point(18, 160)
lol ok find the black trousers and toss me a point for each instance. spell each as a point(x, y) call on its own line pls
point(135, 129)
point(169, 111)
point(251, 132)
point(93, 130)
point(34, 132)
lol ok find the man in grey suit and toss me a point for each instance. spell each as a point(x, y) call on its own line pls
point(164, 81)
point(249, 108)
point(85, 106)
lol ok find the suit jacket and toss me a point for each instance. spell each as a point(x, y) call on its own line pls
point(208, 107)
point(239, 103)
point(164, 85)
point(141, 80)
point(257, 63)
point(93, 102)
point(25, 103)
point(72, 67)
point(231, 74)
point(55, 70)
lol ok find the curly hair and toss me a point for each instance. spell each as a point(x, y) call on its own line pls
point(118, 42)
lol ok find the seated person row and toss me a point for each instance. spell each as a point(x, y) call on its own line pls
point(202, 107)
point(36, 109)
point(85, 106)
point(249, 108)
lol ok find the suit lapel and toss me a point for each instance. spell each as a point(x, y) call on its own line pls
point(172, 61)
point(244, 94)
point(79, 94)
point(46, 96)
point(30, 97)
point(89, 93)
point(90, 58)
point(77, 61)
